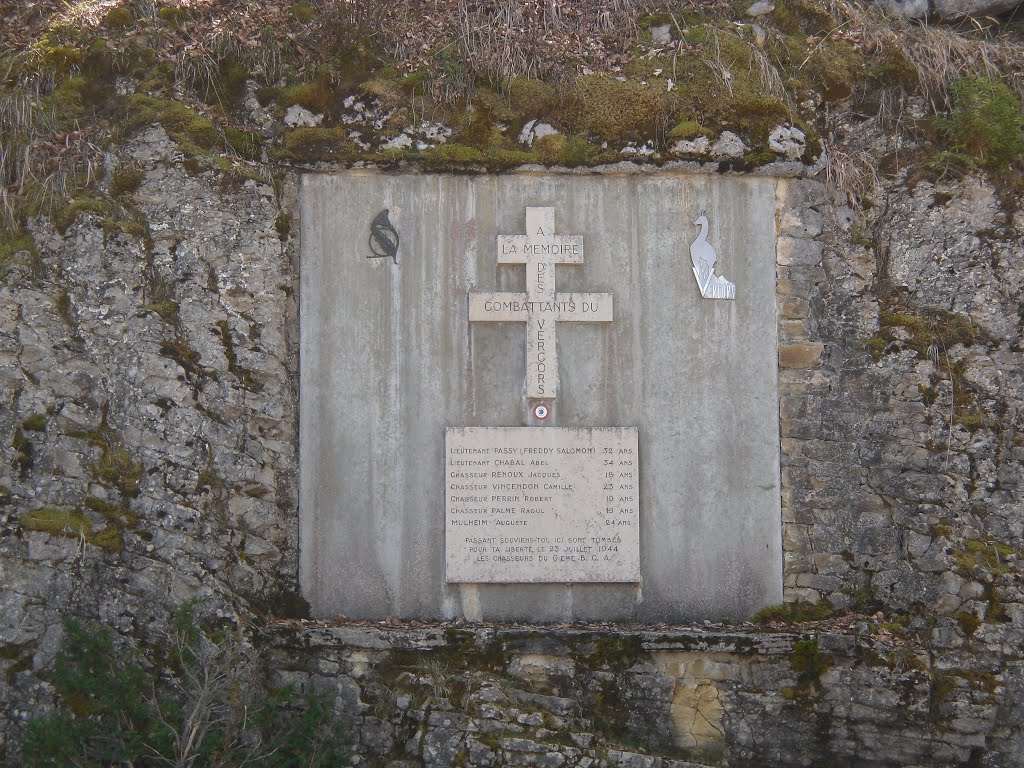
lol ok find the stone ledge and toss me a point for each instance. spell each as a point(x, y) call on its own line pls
point(564, 640)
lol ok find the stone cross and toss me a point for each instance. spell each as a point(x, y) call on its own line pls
point(541, 308)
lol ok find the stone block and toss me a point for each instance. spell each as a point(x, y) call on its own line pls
point(793, 307)
point(800, 222)
point(801, 355)
point(793, 330)
point(797, 252)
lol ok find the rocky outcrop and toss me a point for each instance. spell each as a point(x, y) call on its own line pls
point(148, 420)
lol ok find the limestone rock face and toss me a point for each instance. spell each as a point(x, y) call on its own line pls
point(533, 130)
point(729, 145)
point(300, 116)
point(159, 372)
point(788, 141)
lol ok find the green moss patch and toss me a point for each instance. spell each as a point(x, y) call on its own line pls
point(985, 122)
point(172, 14)
point(57, 522)
point(118, 514)
point(16, 248)
point(809, 662)
point(167, 309)
point(932, 327)
point(187, 127)
point(34, 423)
point(795, 613)
point(617, 111)
point(180, 351)
point(316, 96)
point(989, 554)
point(118, 469)
point(688, 129)
point(125, 179)
point(24, 455)
point(314, 144)
point(64, 217)
point(283, 225)
point(118, 18)
point(71, 524)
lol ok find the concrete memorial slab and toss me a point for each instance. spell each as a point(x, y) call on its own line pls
point(416, 291)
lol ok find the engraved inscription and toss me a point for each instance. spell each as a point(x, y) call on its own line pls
point(532, 504)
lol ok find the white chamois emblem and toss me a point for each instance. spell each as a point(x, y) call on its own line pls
point(711, 286)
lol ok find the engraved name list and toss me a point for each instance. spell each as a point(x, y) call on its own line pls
point(541, 505)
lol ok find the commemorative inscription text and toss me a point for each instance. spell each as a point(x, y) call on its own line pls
point(542, 504)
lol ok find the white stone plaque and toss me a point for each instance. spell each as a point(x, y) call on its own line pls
point(542, 504)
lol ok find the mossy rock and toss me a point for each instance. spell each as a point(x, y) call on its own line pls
point(503, 159)
point(24, 457)
point(56, 522)
point(452, 157)
point(180, 351)
point(71, 524)
point(66, 102)
point(100, 67)
point(86, 204)
point(34, 423)
point(795, 613)
point(551, 149)
point(617, 111)
point(16, 247)
point(390, 87)
point(989, 554)
point(315, 144)
point(802, 17)
point(248, 144)
point(118, 469)
point(125, 179)
point(688, 129)
point(303, 12)
point(196, 135)
point(808, 661)
point(317, 96)
point(234, 76)
point(283, 225)
point(118, 18)
point(173, 14)
point(985, 122)
point(532, 98)
point(56, 58)
point(167, 310)
point(193, 131)
point(933, 328)
point(836, 68)
point(753, 116)
point(892, 69)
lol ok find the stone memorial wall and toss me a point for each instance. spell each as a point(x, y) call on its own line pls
point(533, 315)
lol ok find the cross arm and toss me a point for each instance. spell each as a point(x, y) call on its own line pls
point(513, 307)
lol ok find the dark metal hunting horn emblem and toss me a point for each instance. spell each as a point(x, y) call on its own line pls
point(383, 238)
